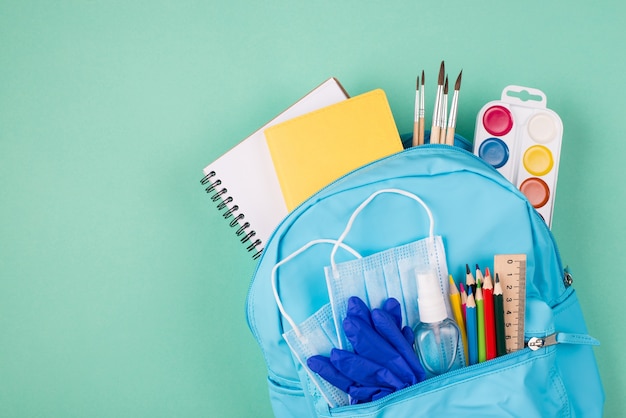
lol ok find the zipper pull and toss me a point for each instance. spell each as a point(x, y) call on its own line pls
point(567, 277)
point(535, 343)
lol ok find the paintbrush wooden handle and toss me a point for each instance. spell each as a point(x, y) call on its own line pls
point(450, 136)
point(434, 134)
point(420, 138)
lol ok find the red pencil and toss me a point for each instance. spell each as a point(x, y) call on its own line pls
point(490, 323)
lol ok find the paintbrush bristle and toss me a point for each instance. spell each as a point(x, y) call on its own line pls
point(417, 83)
point(445, 86)
point(422, 77)
point(442, 73)
point(457, 85)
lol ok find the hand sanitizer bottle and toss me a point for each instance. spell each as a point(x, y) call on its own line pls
point(437, 337)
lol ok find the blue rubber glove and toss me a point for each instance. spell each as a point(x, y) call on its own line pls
point(361, 394)
point(381, 338)
point(358, 394)
point(322, 366)
point(369, 344)
point(385, 325)
point(358, 309)
point(392, 306)
point(363, 371)
point(383, 360)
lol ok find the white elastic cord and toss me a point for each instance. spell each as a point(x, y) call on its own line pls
point(305, 247)
point(343, 235)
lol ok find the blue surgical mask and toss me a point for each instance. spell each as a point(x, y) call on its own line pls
point(316, 335)
point(386, 274)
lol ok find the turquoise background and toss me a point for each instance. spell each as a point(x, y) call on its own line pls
point(122, 289)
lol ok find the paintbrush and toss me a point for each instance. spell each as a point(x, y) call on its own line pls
point(416, 120)
point(453, 111)
point(443, 115)
point(420, 139)
point(435, 129)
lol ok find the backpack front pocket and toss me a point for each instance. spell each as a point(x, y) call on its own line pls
point(522, 384)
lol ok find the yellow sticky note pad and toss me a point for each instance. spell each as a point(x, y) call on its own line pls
point(312, 150)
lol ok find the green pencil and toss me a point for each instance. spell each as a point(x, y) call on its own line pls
point(480, 320)
point(498, 307)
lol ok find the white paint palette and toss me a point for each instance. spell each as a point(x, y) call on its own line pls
point(521, 138)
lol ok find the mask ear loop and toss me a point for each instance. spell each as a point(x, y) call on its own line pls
point(339, 242)
point(300, 250)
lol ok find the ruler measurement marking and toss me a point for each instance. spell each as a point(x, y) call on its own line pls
point(512, 271)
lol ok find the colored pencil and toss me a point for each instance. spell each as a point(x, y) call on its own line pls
point(469, 279)
point(455, 302)
point(490, 325)
point(479, 275)
point(471, 328)
point(453, 111)
point(416, 118)
point(435, 129)
point(480, 323)
point(421, 113)
point(463, 298)
point(498, 307)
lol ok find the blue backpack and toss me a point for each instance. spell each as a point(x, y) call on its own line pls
point(478, 213)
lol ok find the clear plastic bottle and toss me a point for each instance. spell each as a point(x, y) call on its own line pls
point(437, 337)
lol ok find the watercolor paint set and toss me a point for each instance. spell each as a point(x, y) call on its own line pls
point(521, 138)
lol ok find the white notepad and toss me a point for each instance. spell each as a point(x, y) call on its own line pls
point(243, 183)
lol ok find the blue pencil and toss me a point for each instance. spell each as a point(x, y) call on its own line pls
point(472, 327)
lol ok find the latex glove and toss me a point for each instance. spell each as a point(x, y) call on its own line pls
point(345, 369)
point(358, 309)
point(385, 325)
point(322, 366)
point(392, 306)
point(361, 394)
point(358, 394)
point(363, 371)
point(377, 336)
point(370, 345)
point(383, 360)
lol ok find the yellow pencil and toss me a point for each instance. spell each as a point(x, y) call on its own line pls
point(455, 302)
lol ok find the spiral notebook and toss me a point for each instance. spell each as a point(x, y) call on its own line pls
point(243, 183)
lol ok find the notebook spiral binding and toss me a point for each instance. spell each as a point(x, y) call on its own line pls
point(222, 201)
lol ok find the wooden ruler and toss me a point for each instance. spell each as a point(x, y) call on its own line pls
point(511, 268)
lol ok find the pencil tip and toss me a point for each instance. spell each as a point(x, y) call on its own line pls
point(477, 267)
point(457, 85)
point(467, 269)
point(497, 278)
point(487, 273)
